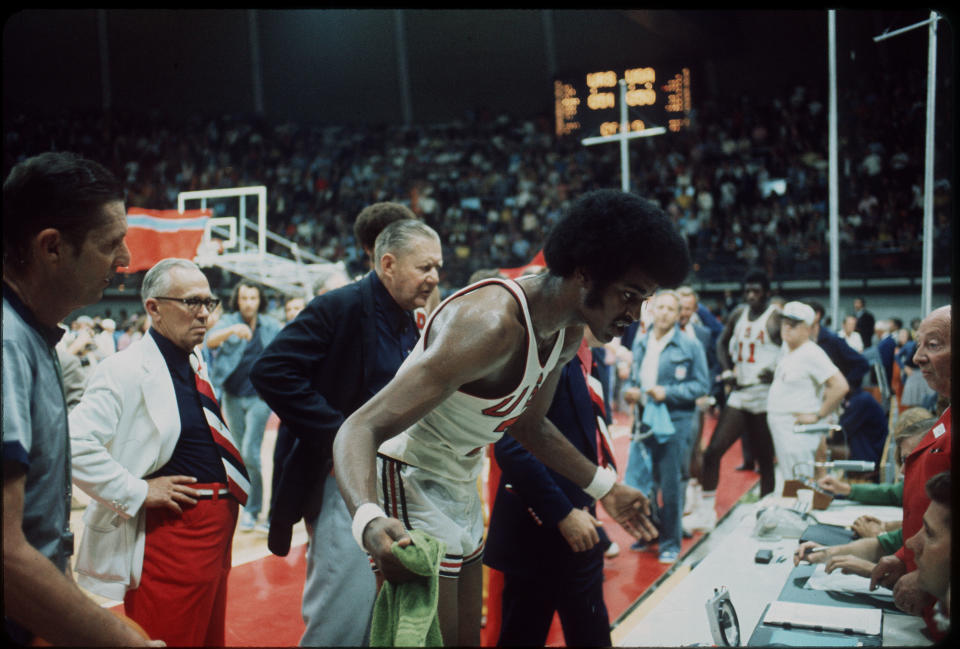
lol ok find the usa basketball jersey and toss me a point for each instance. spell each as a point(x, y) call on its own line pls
point(450, 440)
point(752, 351)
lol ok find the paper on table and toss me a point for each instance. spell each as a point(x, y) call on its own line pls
point(837, 581)
point(868, 621)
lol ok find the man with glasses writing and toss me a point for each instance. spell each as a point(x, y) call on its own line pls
point(149, 444)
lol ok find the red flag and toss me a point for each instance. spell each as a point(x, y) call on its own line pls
point(536, 263)
point(153, 235)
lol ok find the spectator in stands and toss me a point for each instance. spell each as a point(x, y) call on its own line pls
point(238, 338)
point(105, 341)
point(84, 345)
point(850, 334)
point(865, 321)
point(931, 456)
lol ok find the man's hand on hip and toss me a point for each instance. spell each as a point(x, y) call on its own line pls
point(171, 491)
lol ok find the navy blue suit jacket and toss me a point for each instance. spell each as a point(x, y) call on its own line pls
point(851, 363)
point(314, 374)
point(523, 536)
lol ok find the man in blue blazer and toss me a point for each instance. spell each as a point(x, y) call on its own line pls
point(851, 363)
point(342, 348)
point(544, 535)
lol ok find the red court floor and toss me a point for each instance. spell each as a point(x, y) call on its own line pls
point(264, 594)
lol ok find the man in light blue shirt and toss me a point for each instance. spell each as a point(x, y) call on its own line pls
point(64, 224)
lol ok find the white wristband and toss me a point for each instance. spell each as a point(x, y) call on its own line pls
point(602, 483)
point(364, 514)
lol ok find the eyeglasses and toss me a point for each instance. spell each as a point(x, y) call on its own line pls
point(194, 303)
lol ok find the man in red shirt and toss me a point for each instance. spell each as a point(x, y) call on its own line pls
point(930, 457)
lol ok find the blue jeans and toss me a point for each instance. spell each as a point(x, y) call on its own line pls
point(654, 467)
point(247, 418)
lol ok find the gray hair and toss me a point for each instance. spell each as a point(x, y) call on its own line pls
point(399, 237)
point(157, 280)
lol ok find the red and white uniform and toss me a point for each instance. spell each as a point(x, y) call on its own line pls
point(434, 486)
point(752, 351)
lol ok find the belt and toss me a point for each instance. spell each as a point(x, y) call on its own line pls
point(212, 494)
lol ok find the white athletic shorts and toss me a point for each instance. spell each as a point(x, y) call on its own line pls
point(752, 399)
point(449, 511)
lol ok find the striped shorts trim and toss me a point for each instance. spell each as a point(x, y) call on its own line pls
point(449, 512)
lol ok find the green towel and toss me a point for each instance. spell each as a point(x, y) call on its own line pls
point(405, 615)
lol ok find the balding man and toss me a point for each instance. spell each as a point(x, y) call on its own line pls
point(342, 348)
point(930, 457)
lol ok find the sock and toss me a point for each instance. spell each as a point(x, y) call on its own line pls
point(709, 499)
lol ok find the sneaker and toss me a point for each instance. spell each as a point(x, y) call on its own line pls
point(262, 528)
point(667, 556)
point(639, 546)
point(247, 522)
point(703, 519)
point(612, 551)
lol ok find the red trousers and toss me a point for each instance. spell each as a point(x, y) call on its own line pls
point(182, 596)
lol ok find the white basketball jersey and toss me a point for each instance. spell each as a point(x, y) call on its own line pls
point(751, 348)
point(450, 440)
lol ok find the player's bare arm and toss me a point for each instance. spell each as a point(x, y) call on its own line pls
point(43, 599)
point(452, 358)
point(723, 342)
point(628, 506)
point(773, 328)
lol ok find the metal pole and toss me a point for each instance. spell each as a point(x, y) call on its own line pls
point(624, 149)
point(834, 201)
point(403, 69)
point(105, 90)
point(255, 72)
point(546, 16)
point(926, 300)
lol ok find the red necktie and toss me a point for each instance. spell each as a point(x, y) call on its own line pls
point(238, 482)
point(594, 388)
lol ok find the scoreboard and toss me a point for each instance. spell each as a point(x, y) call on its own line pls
point(590, 105)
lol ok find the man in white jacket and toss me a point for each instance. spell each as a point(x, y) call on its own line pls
point(149, 445)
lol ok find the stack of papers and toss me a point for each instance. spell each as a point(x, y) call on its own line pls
point(837, 581)
point(863, 621)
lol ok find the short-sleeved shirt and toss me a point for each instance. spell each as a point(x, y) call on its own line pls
point(799, 378)
point(35, 433)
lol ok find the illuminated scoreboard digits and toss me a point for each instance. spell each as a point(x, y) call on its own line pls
point(652, 100)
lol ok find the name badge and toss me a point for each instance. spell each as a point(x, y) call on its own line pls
point(939, 430)
point(680, 373)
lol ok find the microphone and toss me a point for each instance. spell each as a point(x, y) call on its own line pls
point(848, 465)
point(816, 428)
